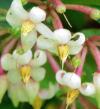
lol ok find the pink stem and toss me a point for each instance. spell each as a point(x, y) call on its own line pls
point(96, 54)
point(52, 62)
point(1, 70)
point(56, 20)
point(84, 9)
point(83, 56)
point(94, 38)
point(9, 46)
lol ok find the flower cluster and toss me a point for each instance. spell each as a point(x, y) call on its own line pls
point(25, 71)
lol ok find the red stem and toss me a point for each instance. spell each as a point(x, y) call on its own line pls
point(9, 46)
point(96, 54)
point(52, 62)
point(83, 56)
point(94, 38)
point(56, 20)
point(84, 9)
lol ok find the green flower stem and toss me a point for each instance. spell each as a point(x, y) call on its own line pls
point(83, 56)
point(56, 20)
point(52, 61)
point(96, 54)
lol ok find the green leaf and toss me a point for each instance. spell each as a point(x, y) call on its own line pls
point(91, 32)
point(83, 2)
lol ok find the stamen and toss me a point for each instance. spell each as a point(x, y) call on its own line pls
point(63, 51)
point(25, 73)
point(27, 26)
point(71, 96)
point(67, 20)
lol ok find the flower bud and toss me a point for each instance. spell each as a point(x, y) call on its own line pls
point(95, 15)
point(87, 89)
point(61, 9)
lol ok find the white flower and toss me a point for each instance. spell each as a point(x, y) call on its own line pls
point(61, 42)
point(21, 66)
point(73, 81)
point(87, 89)
point(69, 79)
point(29, 22)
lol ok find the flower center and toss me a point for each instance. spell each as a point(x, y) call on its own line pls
point(25, 73)
point(27, 26)
point(63, 51)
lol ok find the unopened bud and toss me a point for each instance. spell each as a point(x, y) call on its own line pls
point(95, 15)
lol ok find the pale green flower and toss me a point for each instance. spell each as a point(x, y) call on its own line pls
point(29, 22)
point(61, 42)
point(21, 66)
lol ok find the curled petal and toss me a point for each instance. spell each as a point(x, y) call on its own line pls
point(37, 14)
point(49, 93)
point(72, 80)
point(44, 30)
point(59, 76)
point(62, 35)
point(38, 74)
point(22, 58)
point(87, 89)
point(16, 13)
point(80, 40)
point(40, 58)
point(8, 62)
point(47, 44)
point(14, 76)
point(73, 48)
point(29, 40)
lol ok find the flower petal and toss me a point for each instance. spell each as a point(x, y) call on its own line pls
point(73, 48)
point(47, 44)
point(16, 13)
point(40, 58)
point(38, 73)
point(80, 40)
point(29, 40)
point(87, 89)
point(37, 14)
point(62, 35)
point(14, 76)
point(23, 58)
point(8, 62)
point(44, 30)
point(30, 87)
point(72, 80)
point(59, 76)
point(3, 86)
point(49, 93)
